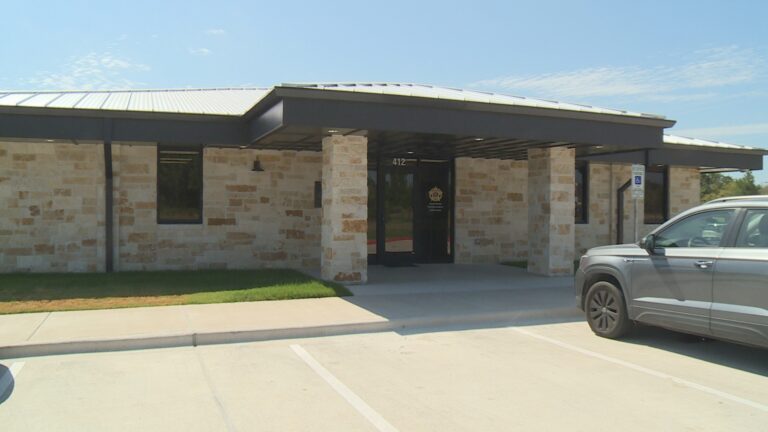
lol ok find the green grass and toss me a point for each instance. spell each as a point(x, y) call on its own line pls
point(40, 292)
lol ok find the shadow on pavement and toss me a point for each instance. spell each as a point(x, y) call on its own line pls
point(728, 354)
point(432, 297)
point(7, 383)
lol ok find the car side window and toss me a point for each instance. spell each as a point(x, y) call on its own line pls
point(754, 230)
point(704, 229)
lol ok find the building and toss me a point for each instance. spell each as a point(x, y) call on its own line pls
point(329, 176)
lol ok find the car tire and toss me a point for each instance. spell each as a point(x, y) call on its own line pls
point(606, 310)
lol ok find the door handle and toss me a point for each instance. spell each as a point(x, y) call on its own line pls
point(702, 264)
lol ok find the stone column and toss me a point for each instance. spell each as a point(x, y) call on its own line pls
point(345, 209)
point(551, 211)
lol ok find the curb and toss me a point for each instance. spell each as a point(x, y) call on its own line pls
point(242, 336)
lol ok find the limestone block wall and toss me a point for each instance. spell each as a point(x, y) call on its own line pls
point(551, 210)
point(491, 210)
point(250, 219)
point(51, 207)
point(605, 179)
point(685, 190)
point(345, 209)
point(600, 222)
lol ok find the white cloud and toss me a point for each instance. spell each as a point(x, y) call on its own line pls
point(200, 51)
point(92, 71)
point(707, 69)
point(725, 131)
point(216, 32)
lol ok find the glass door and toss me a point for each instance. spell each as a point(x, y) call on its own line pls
point(434, 208)
point(397, 214)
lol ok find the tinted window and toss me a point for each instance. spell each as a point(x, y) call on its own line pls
point(179, 185)
point(700, 230)
point(581, 181)
point(754, 230)
point(656, 198)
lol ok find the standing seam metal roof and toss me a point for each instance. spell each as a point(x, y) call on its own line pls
point(237, 101)
point(226, 101)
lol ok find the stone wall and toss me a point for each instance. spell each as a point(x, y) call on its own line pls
point(604, 180)
point(600, 221)
point(345, 209)
point(491, 210)
point(51, 207)
point(250, 219)
point(551, 210)
point(52, 210)
point(685, 190)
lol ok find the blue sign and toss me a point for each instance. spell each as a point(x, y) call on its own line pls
point(638, 180)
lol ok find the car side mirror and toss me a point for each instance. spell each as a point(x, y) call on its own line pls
point(649, 243)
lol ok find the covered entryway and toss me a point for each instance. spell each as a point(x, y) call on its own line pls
point(405, 141)
point(410, 210)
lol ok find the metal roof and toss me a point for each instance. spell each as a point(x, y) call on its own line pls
point(223, 101)
point(681, 140)
point(456, 94)
point(237, 101)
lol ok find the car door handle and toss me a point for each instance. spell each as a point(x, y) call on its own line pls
point(631, 260)
point(702, 264)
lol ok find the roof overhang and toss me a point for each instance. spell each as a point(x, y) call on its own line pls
point(81, 125)
point(706, 159)
point(303, 116)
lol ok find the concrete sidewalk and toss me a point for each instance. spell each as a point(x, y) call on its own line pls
point(370, 310)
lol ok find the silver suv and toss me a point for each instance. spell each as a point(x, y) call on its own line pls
point(704, 272)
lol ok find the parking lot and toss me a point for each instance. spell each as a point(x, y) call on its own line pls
point(553, 376)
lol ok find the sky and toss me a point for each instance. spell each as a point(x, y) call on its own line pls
point(701, 63)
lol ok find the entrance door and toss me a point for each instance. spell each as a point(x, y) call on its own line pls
point(397, 212)
point(410, 211)
point(433, 212)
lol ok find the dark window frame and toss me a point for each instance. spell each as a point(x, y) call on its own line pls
point(584, 193)
point(166, 147)
point(664, 170)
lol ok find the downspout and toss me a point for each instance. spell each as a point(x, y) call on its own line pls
point(108, 197)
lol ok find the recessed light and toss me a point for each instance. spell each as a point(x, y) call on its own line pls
point(242, 147)
point(49, 140)
point(409, 152)
point(332, 131)
point(479, 139)
point(598, 147)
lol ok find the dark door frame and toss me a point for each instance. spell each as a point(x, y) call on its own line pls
point(392, 258)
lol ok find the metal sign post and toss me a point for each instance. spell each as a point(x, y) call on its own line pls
point(638, 190)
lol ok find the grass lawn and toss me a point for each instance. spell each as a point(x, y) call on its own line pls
point(44, 292)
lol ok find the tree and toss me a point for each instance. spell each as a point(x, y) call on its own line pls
point(716, 185)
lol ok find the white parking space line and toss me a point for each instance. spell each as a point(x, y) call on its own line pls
point(8, 377)
point(357, 403)
point(645, 370)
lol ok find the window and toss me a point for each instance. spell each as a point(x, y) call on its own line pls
point(656, 194)
point(754, 230)
point(179, 185)
point(581, 195)
point(700, 230)
point(318, 194)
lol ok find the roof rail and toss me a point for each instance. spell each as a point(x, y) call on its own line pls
point(740, 198)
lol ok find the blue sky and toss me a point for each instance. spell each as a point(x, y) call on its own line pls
point(702, 63)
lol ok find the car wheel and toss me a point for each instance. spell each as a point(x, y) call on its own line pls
point(607, 311)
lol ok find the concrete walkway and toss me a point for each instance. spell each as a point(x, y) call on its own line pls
point(395, 298)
